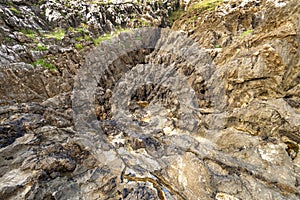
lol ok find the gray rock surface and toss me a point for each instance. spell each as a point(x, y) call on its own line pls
point(153, 113)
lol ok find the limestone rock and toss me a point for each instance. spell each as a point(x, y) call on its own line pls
point(207, 112)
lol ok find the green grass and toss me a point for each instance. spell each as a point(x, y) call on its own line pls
point(44, 63)
point(175, 15)
point(86, 37)
point(142, 22)
point(109, 36)
point(78, 39)
point(247, 32)
point(80, 30)
point(120, 30)
point(7, 39)
point(102, 38)
point(78, 46)
point(98, 3)
point(205, 5)
point(58, 34)
point(40, 47)
point(14, 10)
point(29, 33)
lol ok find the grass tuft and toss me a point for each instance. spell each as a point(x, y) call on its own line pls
point(247, 32)
point(44, 63)
point(109, 36)
point(101, 38)
point(58, 34)
point(29, 33)
point(205, 5)
point(78, 46)
point(14, 10)
point(40, 47)
point(176, 15)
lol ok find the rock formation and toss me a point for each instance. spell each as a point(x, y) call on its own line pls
point(94, 109)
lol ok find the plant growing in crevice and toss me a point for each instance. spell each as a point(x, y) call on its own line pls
point(78, 46)
point(43, 63)
point(8, 39)
point(58, 34)
point(247, 32)
point(109, 36)
point(29, 33)
point(102, 38)
point(173, 16)
point(41, 47)
point(14, 10)
point(204, 5)
point(141, 22)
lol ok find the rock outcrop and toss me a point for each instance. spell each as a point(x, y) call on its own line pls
point(209, 109)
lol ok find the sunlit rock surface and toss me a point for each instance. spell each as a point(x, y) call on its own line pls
point(206, 110)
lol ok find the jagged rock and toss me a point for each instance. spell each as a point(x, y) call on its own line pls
point(152, 113)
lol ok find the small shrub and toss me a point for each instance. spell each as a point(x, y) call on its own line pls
point(45, 64)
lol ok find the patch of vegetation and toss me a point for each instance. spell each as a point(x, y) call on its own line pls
point(98, 2)
point(37, 3)
point(78, 39)
point(8, 39)
point(142, 22)
point(175, 15)
point(78, 46)
point(120, 30)
point(102, 38)
point(41, 47)
point(29, 33)
point(109, 36)
point(58, 34)
point(14, 10)
point(205, 5)
point(86, 37)
point(83, 32)
point(42, 62)
point(247, 32)
point(71, 29)
point(218, 46)
point(102, 3)
point(191, 20)
point(80, 30)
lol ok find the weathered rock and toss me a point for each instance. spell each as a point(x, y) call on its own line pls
point(152, 114)
point(49, 22)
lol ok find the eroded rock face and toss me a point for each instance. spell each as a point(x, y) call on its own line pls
point(154, 114)
point(52, 35)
